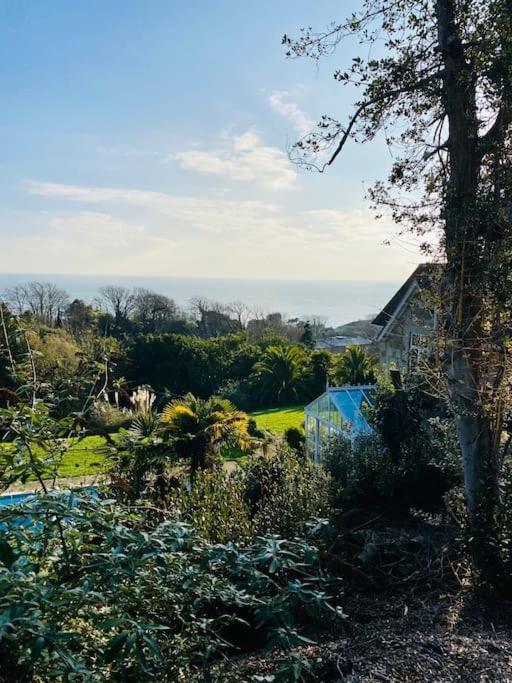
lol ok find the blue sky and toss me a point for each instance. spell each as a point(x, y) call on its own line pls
point(150, 138)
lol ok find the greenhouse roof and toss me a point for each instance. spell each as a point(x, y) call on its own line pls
point(344, 408)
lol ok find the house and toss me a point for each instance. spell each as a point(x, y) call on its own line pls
point(408, 320)
point(339, 343)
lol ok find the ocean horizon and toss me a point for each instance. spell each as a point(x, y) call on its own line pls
point(339, 301)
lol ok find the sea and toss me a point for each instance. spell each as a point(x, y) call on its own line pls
point(336, 301)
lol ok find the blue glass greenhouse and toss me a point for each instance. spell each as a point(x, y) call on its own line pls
point(340, 410)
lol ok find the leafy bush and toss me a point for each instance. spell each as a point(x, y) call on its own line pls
point(284, 491)
point(105, 418)
point(239, 393)
point(295, 438)
point(214, 504)
point(366, 474)
point(110, 594)
point(272, 494)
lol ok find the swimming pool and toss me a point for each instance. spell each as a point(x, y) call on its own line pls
point(13, 498)
point(16, 498)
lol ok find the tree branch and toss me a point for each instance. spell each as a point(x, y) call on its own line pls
point(390, 94)
point(501, 123)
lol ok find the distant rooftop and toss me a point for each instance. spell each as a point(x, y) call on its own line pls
point(340, 341)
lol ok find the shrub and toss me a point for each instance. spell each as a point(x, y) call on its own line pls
point(239, 393)
point(214, 504)
point(93, 591)
point(272, 494)
point(357, 470)
point(366, 474)
point(295, 438)
point(285, 491)
point(107, 418)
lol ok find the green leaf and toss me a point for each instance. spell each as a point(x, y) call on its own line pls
point(115, 646)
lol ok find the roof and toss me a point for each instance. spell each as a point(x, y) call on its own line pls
point(342, 408)
point(340, 341)
point(422, 277)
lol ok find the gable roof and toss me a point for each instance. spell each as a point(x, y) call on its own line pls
point(422, 277)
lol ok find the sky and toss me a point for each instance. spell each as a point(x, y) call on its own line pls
point(151, 138)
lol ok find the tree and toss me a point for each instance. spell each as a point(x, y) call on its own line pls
point(119, 301)
point(320, 364)
point(355, 366)
point(278, 375)
point(79, 316)
point(202, 427)
point(441, 94)
point(44, 300)
point(154, 312)
point(306, 337)
point(213, 318)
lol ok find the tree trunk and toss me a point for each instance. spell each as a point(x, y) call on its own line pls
point(465, 290)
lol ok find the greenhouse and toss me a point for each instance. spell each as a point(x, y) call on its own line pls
point(340, 410)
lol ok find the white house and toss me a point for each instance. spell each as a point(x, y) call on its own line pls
point(407, 321)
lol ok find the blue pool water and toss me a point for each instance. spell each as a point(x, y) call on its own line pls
point(16, 498)
point(13, 499)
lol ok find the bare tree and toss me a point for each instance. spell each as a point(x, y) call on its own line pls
point(212, 317)
point(119, 301)
point(240, 312)
point(16, 298)
point(44, 300)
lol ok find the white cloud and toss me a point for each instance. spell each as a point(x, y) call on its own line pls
point(355, 225)
point(201, 236)
point(280, 102)
point(243, 158)
point(213, 215)
point(84, 242)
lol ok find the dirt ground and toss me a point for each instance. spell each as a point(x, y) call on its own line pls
point(433, 638)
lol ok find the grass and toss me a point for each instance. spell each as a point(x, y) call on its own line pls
point(279, 419)
point(84, 457)
point(87, 456)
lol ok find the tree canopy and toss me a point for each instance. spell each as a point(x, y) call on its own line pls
point(436, 85)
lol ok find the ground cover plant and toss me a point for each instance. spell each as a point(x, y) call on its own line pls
point(110, 593)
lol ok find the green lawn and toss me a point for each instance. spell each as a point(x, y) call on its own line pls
point(82, 458)
point(279, 419)
point(87, 456)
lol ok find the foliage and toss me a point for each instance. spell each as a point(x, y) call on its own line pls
point(214, 504)
point(277, 377)
point(284, 491)
point(307, 337)
point(56, 356)
point(142, 460)
point(37, 446)
point(274, 493)
point(113, 595)
point(105, 418)
point(201, 427)
point(356, 366)
point(318, 373)
point(295, 438)
point(240, 393)
point(440, 93)
point(366, 474)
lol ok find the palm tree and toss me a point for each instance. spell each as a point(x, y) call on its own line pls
point(279, 374)
point(356, 367)
point(201, 427)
